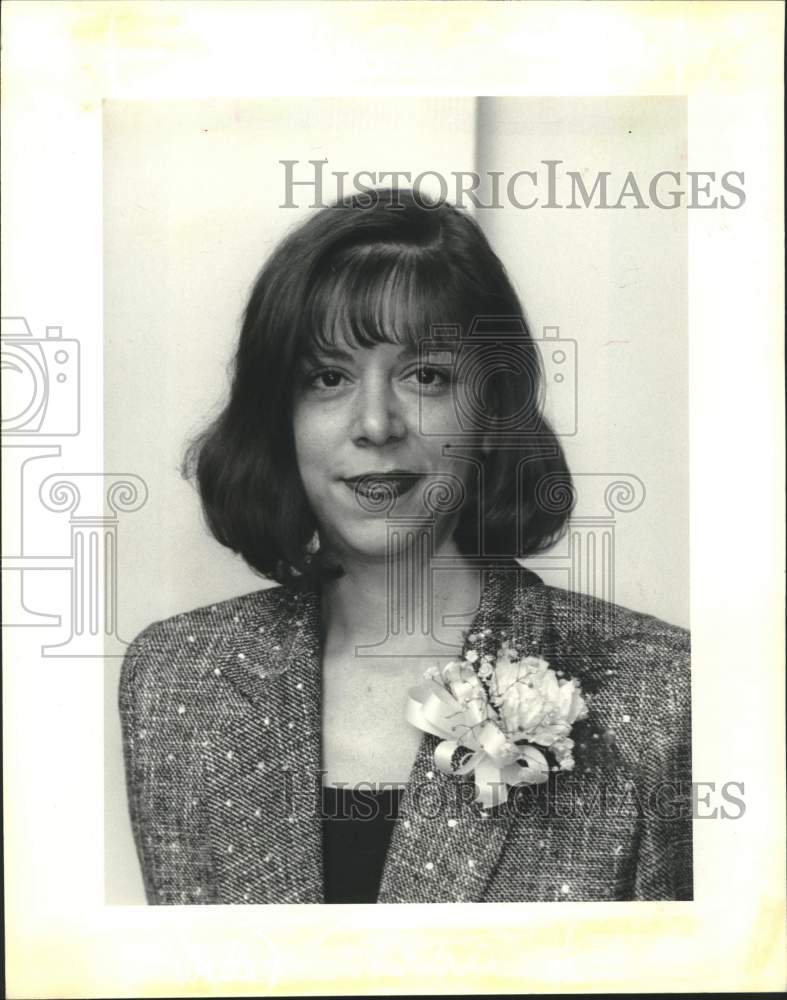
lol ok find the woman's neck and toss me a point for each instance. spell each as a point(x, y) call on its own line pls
point(370, 598)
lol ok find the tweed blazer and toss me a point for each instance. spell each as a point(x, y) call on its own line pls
point(221, 719)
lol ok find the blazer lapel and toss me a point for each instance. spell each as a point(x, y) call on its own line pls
point(264, 779)
point(444, 848)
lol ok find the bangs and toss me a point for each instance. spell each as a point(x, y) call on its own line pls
point(374, 295)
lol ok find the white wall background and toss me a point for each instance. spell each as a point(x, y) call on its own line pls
point(191, 196)
point(616, 282)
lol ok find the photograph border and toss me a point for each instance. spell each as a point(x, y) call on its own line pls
point(61, 61)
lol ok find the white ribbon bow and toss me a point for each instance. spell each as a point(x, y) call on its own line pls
point(494, 758)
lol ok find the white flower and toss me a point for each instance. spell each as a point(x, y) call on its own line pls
point(573, 703)
point(462, 682)
point(456, 670)
point(535, 705)
point(471, 656)
point(485, 671)
point(562, 748)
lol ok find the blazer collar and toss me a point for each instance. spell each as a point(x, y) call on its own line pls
point(263, 796)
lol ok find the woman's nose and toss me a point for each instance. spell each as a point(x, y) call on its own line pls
point(378, 419)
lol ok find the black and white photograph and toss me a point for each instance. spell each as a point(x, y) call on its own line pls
point(431, 454)
point(391, 404)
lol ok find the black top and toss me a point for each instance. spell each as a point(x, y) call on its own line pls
point(356, 830)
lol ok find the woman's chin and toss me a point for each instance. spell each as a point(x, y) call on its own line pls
point(378, 540)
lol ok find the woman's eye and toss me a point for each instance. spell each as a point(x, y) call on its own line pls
point(430, 377)
point(328, 378)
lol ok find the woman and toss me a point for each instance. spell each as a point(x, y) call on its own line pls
point(411, 716)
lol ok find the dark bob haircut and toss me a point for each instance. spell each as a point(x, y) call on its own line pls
point(394, 267)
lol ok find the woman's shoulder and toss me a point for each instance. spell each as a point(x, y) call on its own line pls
point(183, 646)
point(622, 653)
point(634, 668)
point(605, 643)
point(607, 622)
point(586, 619)
point(213, 619)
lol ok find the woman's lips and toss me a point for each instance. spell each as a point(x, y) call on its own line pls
point(380, 485)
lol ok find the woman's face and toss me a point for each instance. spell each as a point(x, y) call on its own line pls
point(379, 411)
